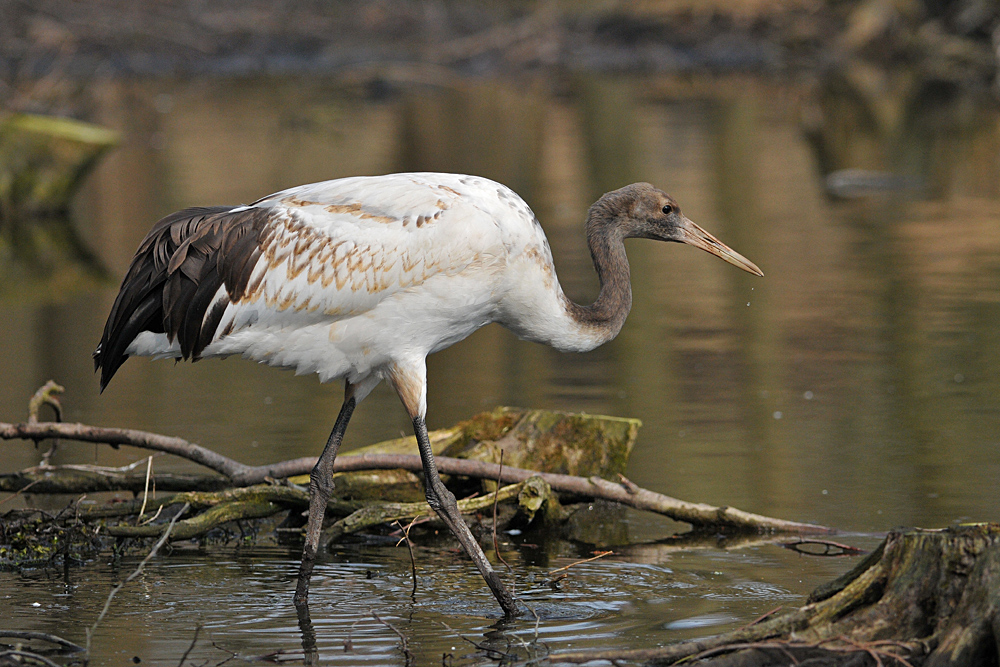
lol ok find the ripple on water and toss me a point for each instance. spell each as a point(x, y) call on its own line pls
point(243, 602)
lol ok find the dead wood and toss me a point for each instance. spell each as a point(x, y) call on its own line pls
point(924, 598)
point(699, 515)
point(75, 481)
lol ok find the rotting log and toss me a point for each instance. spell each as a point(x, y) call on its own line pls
point(924, 598)
point(44, 159)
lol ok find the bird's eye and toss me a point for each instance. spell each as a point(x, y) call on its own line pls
point(668, 209)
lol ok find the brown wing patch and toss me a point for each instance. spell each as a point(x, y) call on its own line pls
point(175, 275)
point(447, 189)
point(355, 208)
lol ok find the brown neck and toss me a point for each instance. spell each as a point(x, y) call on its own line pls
point(607, 314)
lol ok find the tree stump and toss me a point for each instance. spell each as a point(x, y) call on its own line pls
point(924, 598)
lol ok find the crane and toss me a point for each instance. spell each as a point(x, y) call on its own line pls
point(361, 278)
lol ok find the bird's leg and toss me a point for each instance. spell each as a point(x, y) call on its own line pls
point(443, 502)
point(320, 488)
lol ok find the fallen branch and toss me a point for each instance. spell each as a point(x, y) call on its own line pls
point(40, 636)
point(376, 514)
point(699, 515)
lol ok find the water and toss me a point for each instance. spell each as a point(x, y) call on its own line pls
point(856, 385)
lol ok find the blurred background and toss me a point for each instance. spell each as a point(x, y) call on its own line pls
point(849, 148)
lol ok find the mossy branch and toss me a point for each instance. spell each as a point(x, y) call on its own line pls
point(376, 514)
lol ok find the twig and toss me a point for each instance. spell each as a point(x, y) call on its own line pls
point(280, 657)
point(406, 648)
point(730, 648)
point(194, 641)
point(41, 636)
point(145, 493)
point(44, 396)
point(629, 485)
point(830, 548)
point(409, 547)
point(496, 497)
point(20, 491)
point(28, 655)
point(152, 552)
point(349, 642)
point(232, 655)
point(152, 518)
point(600, 554)
point(761, 618)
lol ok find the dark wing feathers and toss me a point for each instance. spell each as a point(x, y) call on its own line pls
point(177, 270)
point(244, 249)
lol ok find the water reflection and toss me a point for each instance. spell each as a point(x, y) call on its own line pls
point(857, 385)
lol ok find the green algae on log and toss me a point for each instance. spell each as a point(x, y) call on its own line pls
point(557, 442)
point(43, 161)
point(554, 442)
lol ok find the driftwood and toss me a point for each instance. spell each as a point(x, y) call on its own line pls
point(924, 598)
point(47, 480)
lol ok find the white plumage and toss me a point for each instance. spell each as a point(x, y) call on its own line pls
point(361, 278)
point(364, 272)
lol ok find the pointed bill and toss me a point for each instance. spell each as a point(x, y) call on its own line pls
point(694, 235)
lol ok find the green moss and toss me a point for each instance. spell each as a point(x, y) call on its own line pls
point(485, 427)
point(28, 542)
point(572, 444)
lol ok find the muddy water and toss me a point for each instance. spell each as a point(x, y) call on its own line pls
point(857, 385)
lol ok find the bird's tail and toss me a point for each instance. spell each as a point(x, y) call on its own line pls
point(143, 302)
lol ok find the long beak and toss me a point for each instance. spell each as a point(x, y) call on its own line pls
point(694, 235)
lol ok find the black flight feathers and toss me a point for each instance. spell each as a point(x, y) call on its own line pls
point(174, 276)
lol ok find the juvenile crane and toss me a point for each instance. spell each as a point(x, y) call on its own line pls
point(361, 278)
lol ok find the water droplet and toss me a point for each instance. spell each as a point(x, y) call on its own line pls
point(777, 414)
point(825, 492)
point(748, 303)
point(808, 395)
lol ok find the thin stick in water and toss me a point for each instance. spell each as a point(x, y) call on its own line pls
point(194, 641)
point(496, 547)
point(152, 552)
point(409, 546)
point(406, 647)
point(600, 554)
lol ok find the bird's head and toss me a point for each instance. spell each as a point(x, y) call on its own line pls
point(643, 211)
